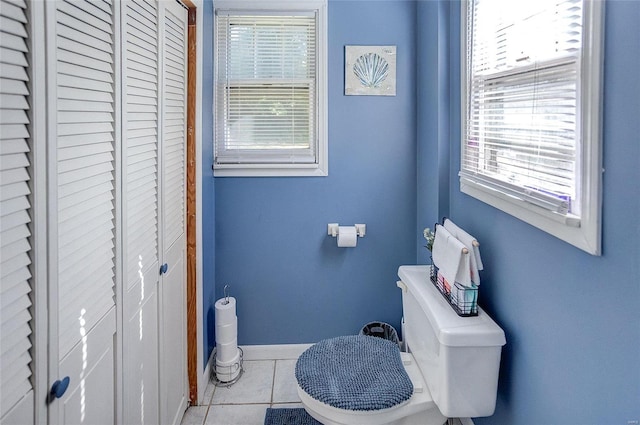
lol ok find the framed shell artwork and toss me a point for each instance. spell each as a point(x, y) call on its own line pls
point(370, 71)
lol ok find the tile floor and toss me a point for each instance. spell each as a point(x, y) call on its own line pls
point(265, 383)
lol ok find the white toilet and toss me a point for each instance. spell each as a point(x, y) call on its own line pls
point(452, 362)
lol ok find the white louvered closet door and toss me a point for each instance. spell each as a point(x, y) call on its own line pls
point(82, 239)
point(140, 211)
point(16, 392)
point(173, 371)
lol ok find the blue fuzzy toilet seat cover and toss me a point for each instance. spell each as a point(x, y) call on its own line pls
point(356, 372)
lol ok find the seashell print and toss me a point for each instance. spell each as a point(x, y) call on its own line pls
point(371, 70)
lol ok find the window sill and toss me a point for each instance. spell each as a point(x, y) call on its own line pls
point(581, 233)
point(269, 170)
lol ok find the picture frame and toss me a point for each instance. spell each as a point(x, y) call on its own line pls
point(370, 71)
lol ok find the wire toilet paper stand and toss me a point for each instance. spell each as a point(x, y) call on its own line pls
point(227, 370)
point(230, 370)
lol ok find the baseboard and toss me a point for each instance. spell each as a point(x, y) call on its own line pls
point(206, 377)
point(273, 352)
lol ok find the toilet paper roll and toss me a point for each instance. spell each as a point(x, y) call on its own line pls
point(224, 375)
point(226, 372)
point(233, 361)
point(347, 236)
point(227, 333)
point(226, 352)
point(225, 313)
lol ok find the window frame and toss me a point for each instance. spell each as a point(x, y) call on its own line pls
point(583, 231)
point(278, 169)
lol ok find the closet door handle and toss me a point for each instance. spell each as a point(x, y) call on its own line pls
point(59, 388)
point(164, 268)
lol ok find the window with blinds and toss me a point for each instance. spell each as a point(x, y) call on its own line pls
point(269, 88)
point(531, 91)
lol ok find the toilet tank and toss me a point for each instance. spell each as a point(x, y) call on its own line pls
point(459, 357)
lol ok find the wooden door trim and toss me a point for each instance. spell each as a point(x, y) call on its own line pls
point(192, 316)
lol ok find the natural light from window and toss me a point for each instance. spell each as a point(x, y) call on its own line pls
point(530, 117)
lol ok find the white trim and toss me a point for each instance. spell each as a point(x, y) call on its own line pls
point(203, 381)
point(270, 5)
point(39, 209)
point(53, 409)
point(564, 230)
point(586, 236)
point(119, 203)
point(320, 169)
point(278, 170)
point(274, 352)
point(592, 129)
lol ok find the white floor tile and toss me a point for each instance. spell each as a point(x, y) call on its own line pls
point(237, 414)
point(208, 393)
point(194, 415)
point(253, 387)
point(284, 385)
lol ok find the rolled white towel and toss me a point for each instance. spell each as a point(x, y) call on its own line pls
point(472, 245)
point(451, 257)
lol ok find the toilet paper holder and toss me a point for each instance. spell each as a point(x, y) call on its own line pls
point(226, 295)
point(332, 229)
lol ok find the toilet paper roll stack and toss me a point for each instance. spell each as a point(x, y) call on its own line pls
point(227, 353)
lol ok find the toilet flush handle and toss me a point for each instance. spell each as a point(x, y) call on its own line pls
point(400, 284)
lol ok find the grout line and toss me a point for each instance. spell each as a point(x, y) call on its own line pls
point(268, 403)
point(273, 381)
point(215, 388)
point(204, 420)
point(212, 393)
point(244, 404)
point(208, 404)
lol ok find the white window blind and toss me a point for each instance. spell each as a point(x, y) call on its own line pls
point(530, 118)
point(522, 136)
point(267, 88)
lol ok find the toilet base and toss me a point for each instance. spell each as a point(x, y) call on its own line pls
point(432, 417)
point(419, 410)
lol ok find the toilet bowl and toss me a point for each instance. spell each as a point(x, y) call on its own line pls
point(420, 409)
point(452, 364)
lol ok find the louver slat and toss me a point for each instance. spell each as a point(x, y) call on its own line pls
point(141, 135)
point(15, 216)
point(174, 129)
point(86, 179)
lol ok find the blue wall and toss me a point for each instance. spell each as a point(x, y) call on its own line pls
point(208, 186)
point(571, 319)
point(292, 283)
point(432, 119)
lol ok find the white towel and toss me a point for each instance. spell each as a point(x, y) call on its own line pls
point(449, 257)
point(468, 241)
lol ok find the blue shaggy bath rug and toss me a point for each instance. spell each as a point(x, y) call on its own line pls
point(289, 416)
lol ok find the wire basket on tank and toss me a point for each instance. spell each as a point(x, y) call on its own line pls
point(462, 299)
